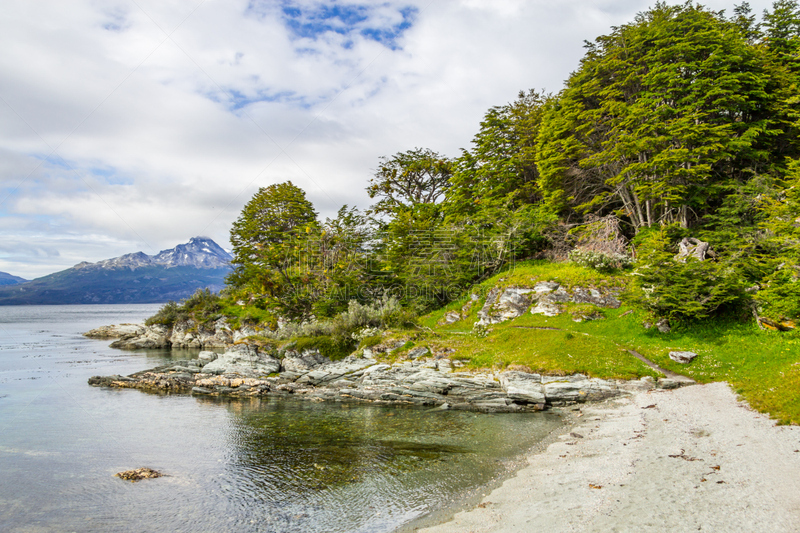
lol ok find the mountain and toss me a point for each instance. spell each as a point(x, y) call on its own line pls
point(8, 279)
point(172, 274)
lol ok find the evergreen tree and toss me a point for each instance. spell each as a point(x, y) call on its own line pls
point(500, 169)
point(660, 116)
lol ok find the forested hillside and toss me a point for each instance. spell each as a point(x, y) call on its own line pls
point(666, 172)
point(682, 125)
point(679, 130)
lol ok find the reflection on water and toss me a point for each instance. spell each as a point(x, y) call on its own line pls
point(303, 466)
point(276, 465)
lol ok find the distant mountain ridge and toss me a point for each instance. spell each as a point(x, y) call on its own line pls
point(172, 274)
point(10, 279)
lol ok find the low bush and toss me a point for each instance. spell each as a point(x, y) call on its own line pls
point(600, 261)
point(169, 313)
point(333, 348)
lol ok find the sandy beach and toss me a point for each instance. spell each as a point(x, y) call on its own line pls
point(691, 459)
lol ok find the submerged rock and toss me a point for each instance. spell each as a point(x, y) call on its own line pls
point(139, 474)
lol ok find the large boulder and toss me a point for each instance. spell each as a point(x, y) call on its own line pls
point(333, 371)
point(505, 305)
point(523, 387)
point(243, 359)
point(578, 388)
point(691, 247)
point(303, 362)
point(682, 357)
point(155, 336)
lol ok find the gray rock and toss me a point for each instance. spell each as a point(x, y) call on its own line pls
point(546, 309)
point(594, 297)
point(243, 359)
point(304, 362)
point(206, 356)
point(579, 391)
point(154, 336)
point(545, 287)
point(334, 371)
point(644, 384)
point(116, 331)
point(573, 378)
point(244, 332)
point(418, 352)
point(691, 247)
point(667, 383)
point(523, 387)
point(682, 357)
point(444, 365)
point(663, 326)
point(450, 317)
point(513, 302)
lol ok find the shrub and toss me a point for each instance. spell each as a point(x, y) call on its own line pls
point(779, 299)
point(169, 313)
point(600, 261)
point(331, 347)
point(683, 291)
point(369, 342)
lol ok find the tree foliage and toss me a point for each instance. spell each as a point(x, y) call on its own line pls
point(270, 248)
point(407, 179)
point(661, 114)
point(684, 122)
point(501, 166)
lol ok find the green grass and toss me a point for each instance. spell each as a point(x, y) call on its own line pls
point(762, 366)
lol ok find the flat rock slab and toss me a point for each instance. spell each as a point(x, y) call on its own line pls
point(115, 331)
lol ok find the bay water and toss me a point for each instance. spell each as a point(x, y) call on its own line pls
point(271, 465)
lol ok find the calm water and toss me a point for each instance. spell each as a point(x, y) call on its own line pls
point(238, 465)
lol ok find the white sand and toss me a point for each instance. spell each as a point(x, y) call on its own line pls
point(732, 470)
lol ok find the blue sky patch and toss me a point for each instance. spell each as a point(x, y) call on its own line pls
point(238, 100)
point(383, 23)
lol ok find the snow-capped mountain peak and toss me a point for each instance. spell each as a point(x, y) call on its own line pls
point(199, 252)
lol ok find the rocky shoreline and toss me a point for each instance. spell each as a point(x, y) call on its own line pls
point(248, 368)
point(244, 371)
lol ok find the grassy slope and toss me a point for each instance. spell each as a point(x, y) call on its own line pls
point(762, 366)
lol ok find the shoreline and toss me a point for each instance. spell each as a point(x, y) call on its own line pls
point(689, 459)
point(470, 499)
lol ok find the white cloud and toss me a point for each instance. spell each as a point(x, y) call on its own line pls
point(165, 117)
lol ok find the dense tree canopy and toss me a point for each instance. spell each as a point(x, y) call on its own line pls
point(660, 116)
point(683, 123)
point(501, 166)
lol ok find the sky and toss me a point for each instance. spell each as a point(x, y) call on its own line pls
point(134, 125)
